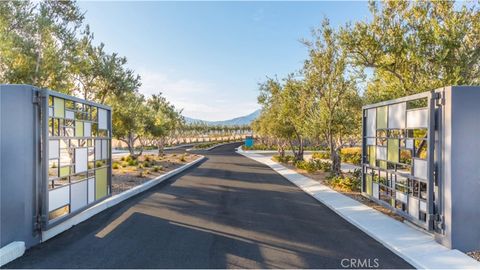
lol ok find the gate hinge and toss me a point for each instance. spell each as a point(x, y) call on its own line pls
point(440, 99)
point(439, 223)
point(38, 223)
point(36, 98)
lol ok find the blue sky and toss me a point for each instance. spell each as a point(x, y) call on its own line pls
point(208, 57)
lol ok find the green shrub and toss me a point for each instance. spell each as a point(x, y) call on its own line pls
point(146, 164)
point(309, 166)
point(321, 155)
point(157, 168)
point(323, 165)
point(259, 147)
point(345, 183)
point(147, 158)
point(115, 166)
point(132, 162)
point(351, 155)
point(182, 158)
point(122, 159)
point(285, 159)
point(140, 166)
point(124, 164)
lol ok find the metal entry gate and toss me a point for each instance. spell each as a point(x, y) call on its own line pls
point(75, 155)
point(398, 156)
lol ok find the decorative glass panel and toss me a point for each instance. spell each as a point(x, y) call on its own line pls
point(69, 115)
point(98, 149)
point(91, 190)
point(369, 184)
point(371, 155)
point(53, 149)
point(78, 128)
point(102, 119)
point(401, 197)
point(58, 197)
point(417, 118)
point(396, 115)
point(73, 153)
point(371, 122)
point(413, 206)
point(104, 149)
point(375, 190)
point(59, 107)
point(423, 206)
point(87, 129)
point(81, 160)
point(100, 183)
point(393, 150)
point(79, 195)
point(381, 152)
point(382, 117)
point(420, 168)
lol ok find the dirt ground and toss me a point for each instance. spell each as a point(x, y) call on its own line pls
point(128, 174)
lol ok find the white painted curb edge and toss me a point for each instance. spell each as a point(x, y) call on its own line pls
point(439, 257)
point(114, 200)
point(211, 148)
point(11, 251)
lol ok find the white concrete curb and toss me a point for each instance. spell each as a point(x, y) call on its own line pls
point(210, 148)
point(11, 251)
point(414, 246)
point(114, 200)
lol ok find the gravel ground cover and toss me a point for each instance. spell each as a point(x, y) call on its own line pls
point(128, 172)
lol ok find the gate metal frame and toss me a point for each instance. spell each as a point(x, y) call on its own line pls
point(43, 96)
point(431, 215)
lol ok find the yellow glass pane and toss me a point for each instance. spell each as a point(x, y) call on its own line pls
point(371, 155)
point(64, 171)
point(383, 164)
point(100, 183)
point(393, 153)
point(382, 116)
point(59, 107)
point(78, 128)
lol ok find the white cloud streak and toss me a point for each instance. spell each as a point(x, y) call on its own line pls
point(198, 99)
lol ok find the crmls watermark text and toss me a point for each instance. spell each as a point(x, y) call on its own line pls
point(360, 263)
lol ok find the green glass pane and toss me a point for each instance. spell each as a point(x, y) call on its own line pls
point(64, 171)
point(371, 155)
point(382, 116)
point(383, 164)
point(369, 184)
point(393, 154)
point(59, 107)
point(78, 128)
point(100, 183)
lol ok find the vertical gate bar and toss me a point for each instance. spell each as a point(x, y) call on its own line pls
point(431, 159)
point(110, 153)
point(364, 155)
point(44, 112)
point(36, 158)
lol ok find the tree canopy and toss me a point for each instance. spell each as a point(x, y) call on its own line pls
point(404, 48)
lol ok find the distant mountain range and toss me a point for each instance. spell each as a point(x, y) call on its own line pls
point(238, 121)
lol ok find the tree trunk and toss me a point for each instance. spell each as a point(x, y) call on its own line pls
point(335, 158)
point(281, 151)
point(161, 147)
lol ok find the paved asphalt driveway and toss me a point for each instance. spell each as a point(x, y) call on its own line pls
point(229, 212)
